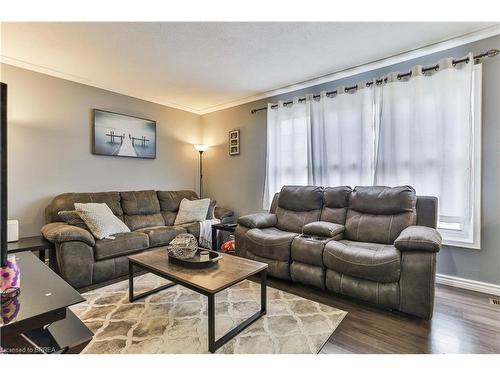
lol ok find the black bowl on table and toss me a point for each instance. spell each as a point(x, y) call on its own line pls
point(196, 261)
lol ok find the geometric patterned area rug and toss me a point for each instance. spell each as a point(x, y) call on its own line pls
point(175, 320)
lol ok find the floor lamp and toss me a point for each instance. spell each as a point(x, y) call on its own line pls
point(201, 149)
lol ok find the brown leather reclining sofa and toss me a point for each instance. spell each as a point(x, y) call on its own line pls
point(374, 243)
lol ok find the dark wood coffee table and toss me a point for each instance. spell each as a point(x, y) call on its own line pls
point(229, 271)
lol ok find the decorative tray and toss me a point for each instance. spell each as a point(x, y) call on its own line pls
point(196, 261)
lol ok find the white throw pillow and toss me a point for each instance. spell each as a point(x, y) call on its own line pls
point(100, 219)
point(189, 211)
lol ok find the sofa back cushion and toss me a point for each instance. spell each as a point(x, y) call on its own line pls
point(379, 213)
point(297, 206)
point(274, 203)
point(335, 202)
point(141, 209)
point(427, 211)
point(66, 202)
point(170, 201)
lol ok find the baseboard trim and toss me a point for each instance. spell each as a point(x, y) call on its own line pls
point(477, 286)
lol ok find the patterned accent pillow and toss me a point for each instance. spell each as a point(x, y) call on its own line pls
point(100, 219)
point(72, 218)
point(189, 211)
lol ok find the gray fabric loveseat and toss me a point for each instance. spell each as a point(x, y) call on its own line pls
point(83, 260)
point(373, 243)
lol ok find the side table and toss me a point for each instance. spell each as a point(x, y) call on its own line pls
point(35, 243)
point(222, 227)
point(38, 319)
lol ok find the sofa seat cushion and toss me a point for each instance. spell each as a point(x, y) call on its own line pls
point(161, 235)
point(370, 261)
point(271, 243)
point(192, 228)
point(122, 244)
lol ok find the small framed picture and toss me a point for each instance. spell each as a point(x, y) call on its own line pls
point(234, 142)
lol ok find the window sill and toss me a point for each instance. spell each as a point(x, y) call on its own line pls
point(461, 244)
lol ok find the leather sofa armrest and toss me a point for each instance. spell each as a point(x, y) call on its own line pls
point(260, 220)
point(222, 213)
point(59, 232)
point(418, 238)
point(323, 229)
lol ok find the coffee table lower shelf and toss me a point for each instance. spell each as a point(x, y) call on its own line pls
point(213, 344)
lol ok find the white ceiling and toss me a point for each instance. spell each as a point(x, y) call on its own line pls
point(202, 67)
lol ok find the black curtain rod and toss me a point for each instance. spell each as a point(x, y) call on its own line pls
point(489, 53)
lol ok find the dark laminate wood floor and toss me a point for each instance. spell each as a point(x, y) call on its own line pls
point(463, 322)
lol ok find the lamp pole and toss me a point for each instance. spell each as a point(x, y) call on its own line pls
point(201, 149)
point(201, 171)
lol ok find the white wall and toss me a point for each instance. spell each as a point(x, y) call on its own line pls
point(49, 146)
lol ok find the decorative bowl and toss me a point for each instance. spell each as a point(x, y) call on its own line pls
point(183, 246)
point(182, 253)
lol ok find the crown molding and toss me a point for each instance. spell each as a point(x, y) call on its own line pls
point(401, 57)
point(84, 81)
point(395, 59)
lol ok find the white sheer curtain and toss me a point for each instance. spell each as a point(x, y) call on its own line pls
point(411, 131)
point(342, 130)
point(326, 142)
point(288, 147)
point(425, 136)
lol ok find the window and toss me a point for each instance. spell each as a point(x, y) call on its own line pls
point(288, 148)
point(468, 233)
point(423, 131)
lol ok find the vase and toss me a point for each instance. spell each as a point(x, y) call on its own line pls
point(10, 275)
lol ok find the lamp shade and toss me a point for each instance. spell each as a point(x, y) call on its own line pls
point(201, 148)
